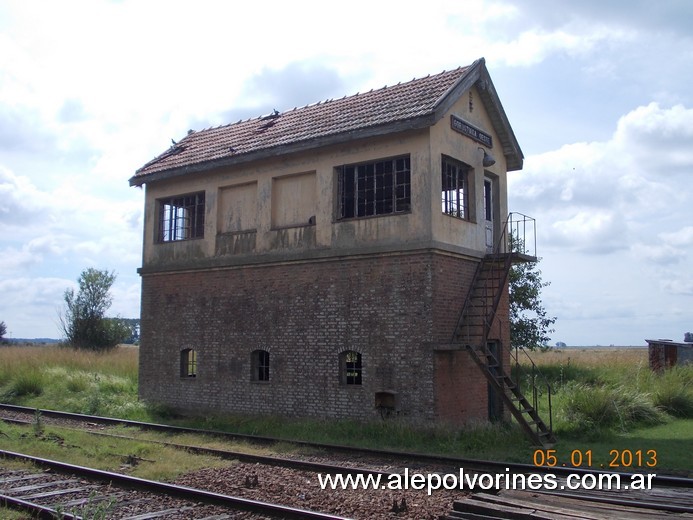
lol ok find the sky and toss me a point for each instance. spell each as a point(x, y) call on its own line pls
point(598, 94)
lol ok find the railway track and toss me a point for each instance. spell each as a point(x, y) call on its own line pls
point(404, 458)
point(69, 491)
point(671, 499)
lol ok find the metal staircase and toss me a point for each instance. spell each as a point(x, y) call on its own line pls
point(477, 317)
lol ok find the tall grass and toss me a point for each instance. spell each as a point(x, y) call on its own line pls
point(673, 391)
point(121, 361)
point(613, 390)
point(597, 396)
point(588, 410)
point(73, 380)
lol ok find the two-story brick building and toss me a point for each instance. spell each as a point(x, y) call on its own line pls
point(316, 262)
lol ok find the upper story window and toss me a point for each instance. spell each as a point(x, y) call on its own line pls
point(374, 188)
point(182, 217)
point(454, 196)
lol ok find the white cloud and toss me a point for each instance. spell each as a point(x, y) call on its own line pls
point(17, 193)
point(30, 306)
point(603, 196)
point(83, 106)
point(682, 237)
point(613, 227)
point(657, 139)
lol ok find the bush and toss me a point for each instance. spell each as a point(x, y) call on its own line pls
point(591, 409)
point(673, 392)
point(26, 383)
point(675, 401)
point(83, 321)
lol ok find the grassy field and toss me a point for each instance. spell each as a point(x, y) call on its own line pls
point(609, 401)
point(604, 401)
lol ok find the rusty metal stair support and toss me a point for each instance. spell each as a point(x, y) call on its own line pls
point(526, 415)
point(481, 304)
point(474, 324)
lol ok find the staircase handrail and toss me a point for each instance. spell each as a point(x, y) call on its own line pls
point(534, 373)
point(524, 229)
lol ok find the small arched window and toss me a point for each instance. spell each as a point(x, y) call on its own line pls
point(188, 363)
point(260, 365)
point(350, 368)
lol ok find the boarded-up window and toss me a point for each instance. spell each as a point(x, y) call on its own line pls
point(238, 208)
point(294, 200)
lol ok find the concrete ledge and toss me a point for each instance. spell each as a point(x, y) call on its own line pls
point(309, 256)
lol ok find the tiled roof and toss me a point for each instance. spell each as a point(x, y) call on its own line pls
point(377, 108)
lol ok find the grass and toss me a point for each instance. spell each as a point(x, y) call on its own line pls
point(77, 381)
point(140, 459)
point(609, 399)
point(603, 400)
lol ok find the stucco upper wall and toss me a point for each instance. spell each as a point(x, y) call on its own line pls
point(286, 206)
point(294, 214)
point(469, 233)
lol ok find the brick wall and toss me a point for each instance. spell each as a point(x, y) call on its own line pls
point(391, 308)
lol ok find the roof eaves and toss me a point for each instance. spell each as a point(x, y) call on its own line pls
point(422, 121)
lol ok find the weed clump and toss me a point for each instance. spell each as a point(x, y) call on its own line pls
point(590, 410)
point(673, 392)
point(27, 383)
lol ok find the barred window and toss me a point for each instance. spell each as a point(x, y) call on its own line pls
point(260, 365)
point(188, 363)
point(454, 188)
point(350, 368)
point(374, 188)
point(182, 217)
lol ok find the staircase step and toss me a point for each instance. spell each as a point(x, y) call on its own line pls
point(475, 321)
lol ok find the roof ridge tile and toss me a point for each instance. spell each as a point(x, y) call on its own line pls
point(386, 105)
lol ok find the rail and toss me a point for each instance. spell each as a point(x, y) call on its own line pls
point(163, 488)
point(421, 458)
point(519, 235)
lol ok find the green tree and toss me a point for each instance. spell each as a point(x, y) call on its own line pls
point(83, 322)
point(529, 324)
point(3, 331)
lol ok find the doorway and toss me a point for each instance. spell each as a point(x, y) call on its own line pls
point(489, 211)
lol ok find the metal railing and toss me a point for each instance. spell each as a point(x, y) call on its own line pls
point(534, 379)
point(519, 235)
point(517, 241)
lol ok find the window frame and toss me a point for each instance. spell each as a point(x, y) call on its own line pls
point(375, 188)
point(455, 188)
point(351, 370)
point(181, 217)
point(260, 366)
point(188, 363)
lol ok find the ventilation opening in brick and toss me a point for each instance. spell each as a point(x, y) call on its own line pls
point(386, 402)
